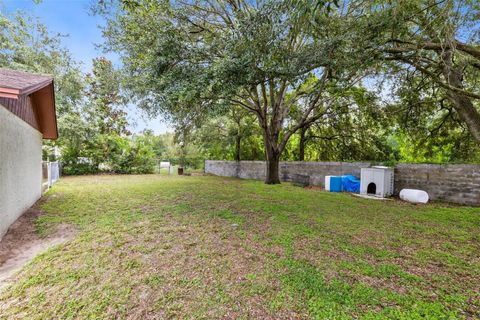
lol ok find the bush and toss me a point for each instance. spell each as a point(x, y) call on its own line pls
point(71, 169)
point(74, 164)
point(135, 156)
point(112, 153)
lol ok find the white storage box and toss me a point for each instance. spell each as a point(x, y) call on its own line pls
point(327, 183)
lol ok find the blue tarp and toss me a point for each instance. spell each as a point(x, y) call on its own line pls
point(350, 183)
point(336, 184)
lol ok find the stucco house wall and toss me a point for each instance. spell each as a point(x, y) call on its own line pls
point(20, 167)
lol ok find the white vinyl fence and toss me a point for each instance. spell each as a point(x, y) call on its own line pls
point(51, 174)
point(165, 165)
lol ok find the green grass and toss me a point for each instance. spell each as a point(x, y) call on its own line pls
point(160, 246)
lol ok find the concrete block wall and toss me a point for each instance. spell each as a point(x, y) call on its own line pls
point(243, 169)
point(449, 183)
point(317, 171)
point(289, 170)
point(455, 183)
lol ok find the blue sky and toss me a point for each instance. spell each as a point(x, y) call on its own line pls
point(72, 18)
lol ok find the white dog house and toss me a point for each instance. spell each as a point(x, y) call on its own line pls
point(376, 181)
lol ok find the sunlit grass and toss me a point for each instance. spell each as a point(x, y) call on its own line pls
point(210, 247)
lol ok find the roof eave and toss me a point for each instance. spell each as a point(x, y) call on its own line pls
point(36, 87)
point(42, 93)
point(44, 101)
point(9, 93)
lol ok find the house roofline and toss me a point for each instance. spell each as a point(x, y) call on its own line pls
point(13, 93)
point(43, 96)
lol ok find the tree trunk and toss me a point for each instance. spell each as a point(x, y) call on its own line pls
point(273, 161)
point(238, 141)
point(301, 151)
point(467, 112)
point(270, 138)
point(461, 102)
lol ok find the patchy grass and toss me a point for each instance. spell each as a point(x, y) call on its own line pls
point(162, 246)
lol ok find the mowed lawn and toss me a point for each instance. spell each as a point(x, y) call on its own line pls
point(201, 247)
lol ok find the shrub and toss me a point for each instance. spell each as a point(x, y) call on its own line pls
point(112, 153)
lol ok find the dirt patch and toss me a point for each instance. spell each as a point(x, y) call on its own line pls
point(22, 243)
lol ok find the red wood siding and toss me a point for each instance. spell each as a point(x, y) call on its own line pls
point(22, 108)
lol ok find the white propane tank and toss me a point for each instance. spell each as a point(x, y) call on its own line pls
point(327, 183)
point(414, 196)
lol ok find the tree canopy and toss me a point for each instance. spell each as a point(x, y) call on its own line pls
point(265, 80)
point(265, 57)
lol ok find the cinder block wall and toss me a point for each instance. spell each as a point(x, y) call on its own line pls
point(450, 183)
point(456, 183)
point(289, 171)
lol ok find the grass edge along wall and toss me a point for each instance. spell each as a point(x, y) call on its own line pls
point(453, 183)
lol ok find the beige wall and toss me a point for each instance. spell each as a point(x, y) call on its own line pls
point(20, 167)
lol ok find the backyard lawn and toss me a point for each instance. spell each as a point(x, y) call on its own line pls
point(158, 246)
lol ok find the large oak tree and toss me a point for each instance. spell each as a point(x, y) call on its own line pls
point(195, 58)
